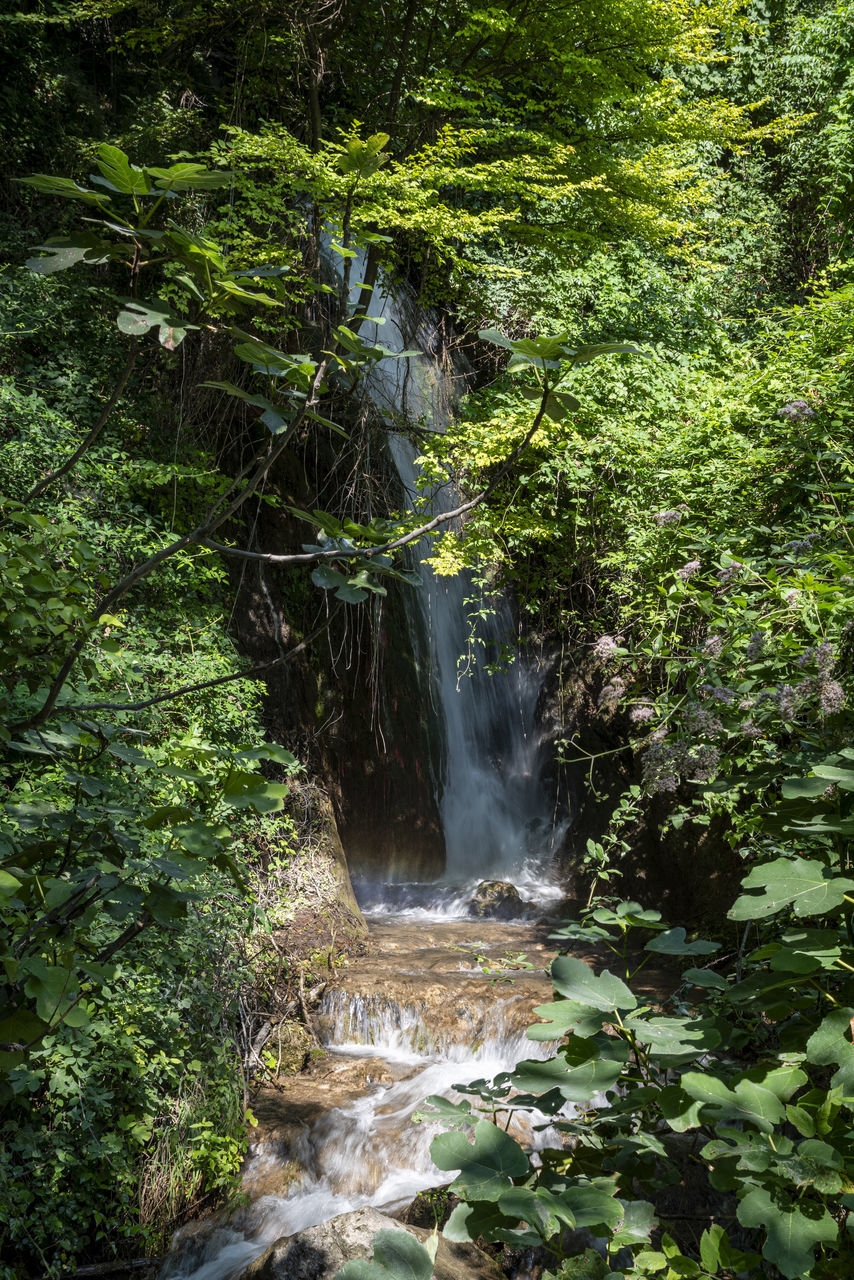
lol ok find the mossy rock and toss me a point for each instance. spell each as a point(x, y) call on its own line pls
point(497, 900)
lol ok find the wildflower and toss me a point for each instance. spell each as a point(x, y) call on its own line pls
point(720, 693)
point(792, 599)
point(688, 570)
point(831, 697)
point(788, 700)
point(605, 646)
point(731, 571)
point(611, 694)
point(713, 646)
point(800, 546)
point(702, 722)
point(642, 712)
point(702, 762)
point(662, 763)
point(796, 411)
point(755, 645)
point(750, 730)
point(825, 658)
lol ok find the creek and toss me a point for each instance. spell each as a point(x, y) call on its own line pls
point(434, 1005)
point(437, 1002)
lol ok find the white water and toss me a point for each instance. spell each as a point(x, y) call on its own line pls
point(498, 823)
point(368, 1152)
point(496, 809)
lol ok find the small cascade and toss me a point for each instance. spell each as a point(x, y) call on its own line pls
point(343, 1138)
point(496, 807)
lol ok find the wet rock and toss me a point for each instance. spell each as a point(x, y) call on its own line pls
point(319, 1252)
point(497, 900)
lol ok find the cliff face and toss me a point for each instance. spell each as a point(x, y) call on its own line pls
point(351, 706)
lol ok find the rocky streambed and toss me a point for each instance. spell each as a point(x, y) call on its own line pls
point(434, 1005)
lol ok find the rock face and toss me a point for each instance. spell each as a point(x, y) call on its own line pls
point(319, 1252)
point(497, 900)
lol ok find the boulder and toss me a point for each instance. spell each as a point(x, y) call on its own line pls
point(498, 900)
point(319, 1252)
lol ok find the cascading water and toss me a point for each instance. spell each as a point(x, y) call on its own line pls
point(321, 1156)
point(497, 813)
point(428, 1015)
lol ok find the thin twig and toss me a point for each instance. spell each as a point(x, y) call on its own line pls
point(90, 439)
point(247, 674)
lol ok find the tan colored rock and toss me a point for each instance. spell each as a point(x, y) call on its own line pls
point(319, 1252)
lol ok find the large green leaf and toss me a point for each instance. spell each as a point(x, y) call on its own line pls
point(563, 1016)
point(673, 943)
point(583, 1068)
point(486, 1165)
point(118, 174)
point(830, 1046)
point(674, 1037)
point(61, 252)
point(576, 981)
point(792, 1233)
point(803, 884)
point(65, 188)
point(748, 1101)
point(806, 950)
point(397, 1256)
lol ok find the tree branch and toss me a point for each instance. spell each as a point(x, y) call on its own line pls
point(197, 535)
point(248, 674)
point(366, 553)
point(90, 439)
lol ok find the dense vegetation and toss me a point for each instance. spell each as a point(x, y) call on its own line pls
point(673, 176)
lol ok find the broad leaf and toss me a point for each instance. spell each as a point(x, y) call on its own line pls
point(792, 1233)
point(485, 1166)
point(803, 884)
point(830, 1046)
point(576, 981)
point(397, 1256)
point(672, 943)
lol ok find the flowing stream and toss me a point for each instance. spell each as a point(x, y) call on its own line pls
point(424, 1012)
point(428, 1009)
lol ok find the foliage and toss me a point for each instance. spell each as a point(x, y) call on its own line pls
point(749, 1054)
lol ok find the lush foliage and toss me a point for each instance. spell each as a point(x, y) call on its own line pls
point(636, 172)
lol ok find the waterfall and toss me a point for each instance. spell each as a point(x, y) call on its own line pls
point(496, 809)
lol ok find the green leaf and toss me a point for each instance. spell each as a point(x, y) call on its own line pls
point(252, 791)
point(485, 1166)
point(803, 884)
point(191, 177)
point(806, 950)
point(792, 1233)
point(137, 318)
point(9, 884)
point(397, 1256)
point(118, 173)
point(563, 1016)
point(61, 252)
point(672, 943)
point(638, 1221)
point(576, 981)
point(65, 188)
point(748, 1101)
point(706, 978)
point(830, 1046)
point(583, 1068)
point(674, 1037)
